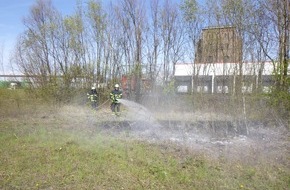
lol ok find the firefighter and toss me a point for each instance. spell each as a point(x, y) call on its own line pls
point(115, 95)
point(93, 97)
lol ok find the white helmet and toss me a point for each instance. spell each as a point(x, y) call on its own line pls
point(93, 88)
point(117, 86)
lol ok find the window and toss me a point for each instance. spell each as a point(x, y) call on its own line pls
point(226, 59)
point(226, 36)
point(182, 89)
point(209, 37)
point(266, 89)
point(222, 89)
point(209, 59)
point(202, 89)
point(247, 89)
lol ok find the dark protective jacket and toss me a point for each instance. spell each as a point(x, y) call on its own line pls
point(92, 96)
point(115, 95)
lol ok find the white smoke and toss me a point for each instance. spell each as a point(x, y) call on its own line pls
point(138, 112)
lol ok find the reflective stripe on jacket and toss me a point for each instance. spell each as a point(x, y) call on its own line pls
point(115, 95)
point(92, 97)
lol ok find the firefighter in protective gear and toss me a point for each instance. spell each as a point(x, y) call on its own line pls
point(115, 95)
point(93, 97)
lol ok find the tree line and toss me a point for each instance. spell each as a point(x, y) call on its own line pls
point(143, 38)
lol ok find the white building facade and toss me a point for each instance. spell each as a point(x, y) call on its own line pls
point(223, 77)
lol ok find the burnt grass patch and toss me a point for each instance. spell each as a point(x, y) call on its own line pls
point(248, 142)
point(214, 129)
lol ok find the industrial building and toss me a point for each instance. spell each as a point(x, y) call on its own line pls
point(218, 66)
point(224, 77)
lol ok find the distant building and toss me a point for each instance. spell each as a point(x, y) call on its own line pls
point(219, 45)
point(223, 77)
point(218, 66)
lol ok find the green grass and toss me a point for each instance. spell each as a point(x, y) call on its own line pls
point(41, 156)
point(48, 148)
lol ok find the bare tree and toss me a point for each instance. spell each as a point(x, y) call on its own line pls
point(276, 17)
point(153, 41)
point(193, 24)
point(117, 52)
point(97, 26)
point(131, 14)
point(169, 20)
point(34, 46)
point(2, 58)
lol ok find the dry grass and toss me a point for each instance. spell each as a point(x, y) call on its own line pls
point(48, 147)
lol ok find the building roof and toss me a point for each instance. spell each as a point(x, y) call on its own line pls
point(247, 68)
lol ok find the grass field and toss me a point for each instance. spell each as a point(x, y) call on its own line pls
point(64, 148)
